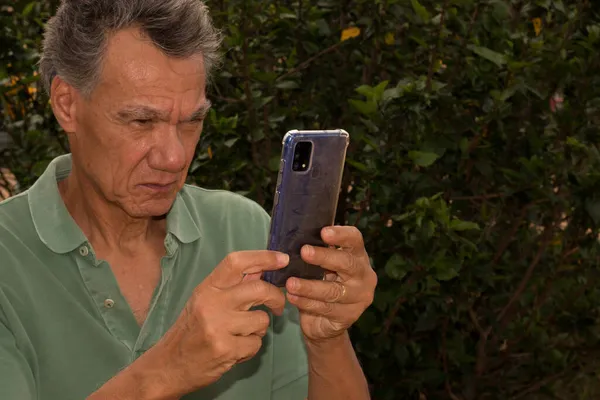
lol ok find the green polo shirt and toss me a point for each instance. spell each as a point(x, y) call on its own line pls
point(65, 327)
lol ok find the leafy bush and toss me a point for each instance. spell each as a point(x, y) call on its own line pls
point(473, 170)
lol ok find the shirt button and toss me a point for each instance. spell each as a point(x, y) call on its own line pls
point(84, 251)
point(109, 303)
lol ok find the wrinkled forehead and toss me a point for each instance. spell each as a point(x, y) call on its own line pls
point(133, 63)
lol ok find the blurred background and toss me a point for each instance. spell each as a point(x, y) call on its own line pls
point(473, 170)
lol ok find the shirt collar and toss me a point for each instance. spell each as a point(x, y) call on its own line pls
point(180, 221)
point(59, 231)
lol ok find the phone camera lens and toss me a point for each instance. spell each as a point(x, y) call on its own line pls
point(302, 155)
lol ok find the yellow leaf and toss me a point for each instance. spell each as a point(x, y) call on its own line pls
point(350, 33)
point(389, 39)
point(537, 26)
point(210, 153)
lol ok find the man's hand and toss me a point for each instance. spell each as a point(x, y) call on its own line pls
point(215, 331)
point(328, 308)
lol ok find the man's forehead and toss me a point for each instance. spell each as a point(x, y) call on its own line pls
point(135, 110)
point(133, 61)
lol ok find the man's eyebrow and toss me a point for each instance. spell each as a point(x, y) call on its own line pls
point(200, 113)
point(141, 112)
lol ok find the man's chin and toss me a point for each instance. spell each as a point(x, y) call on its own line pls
point(153, 208)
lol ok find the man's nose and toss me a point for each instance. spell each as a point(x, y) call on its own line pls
point(168, 153)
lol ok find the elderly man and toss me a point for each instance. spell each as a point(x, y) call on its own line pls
point(118, 281)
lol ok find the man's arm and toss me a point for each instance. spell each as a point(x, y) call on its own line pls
point(216, 330)
point(334, 371)
point(144, 379)
point(329, 307)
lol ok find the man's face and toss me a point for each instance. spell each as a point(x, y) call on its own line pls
point(137, 132)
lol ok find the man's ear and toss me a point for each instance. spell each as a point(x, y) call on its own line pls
point(63, 100)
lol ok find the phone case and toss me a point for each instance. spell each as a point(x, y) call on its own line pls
point(305, 202)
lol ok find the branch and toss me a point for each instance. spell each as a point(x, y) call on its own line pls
point(463, 43)
point(585, 364)
point(482, 197)
point(546, 238)
point(363, 206)
point(569, 253)
point(401, 300)
point(434, 53)
point(481, 360)
point(447, 385)
point(538, 385)
point(511, 234)
point(310, 60)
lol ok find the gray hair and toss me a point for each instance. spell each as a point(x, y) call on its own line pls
point(75, 38)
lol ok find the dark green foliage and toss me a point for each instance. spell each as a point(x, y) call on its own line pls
point(479, 204)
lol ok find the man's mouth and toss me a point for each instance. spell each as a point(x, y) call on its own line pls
point(159, 187)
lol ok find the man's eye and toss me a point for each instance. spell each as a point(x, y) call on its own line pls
point(194, 122)
point(142, 122)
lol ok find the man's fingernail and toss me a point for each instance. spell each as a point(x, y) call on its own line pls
point(283, 259)
point(293, 283)
point(328, 231)
point(309, 250)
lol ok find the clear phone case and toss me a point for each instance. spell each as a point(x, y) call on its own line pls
point(305, 201)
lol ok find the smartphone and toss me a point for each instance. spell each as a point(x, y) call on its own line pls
point(306, 197)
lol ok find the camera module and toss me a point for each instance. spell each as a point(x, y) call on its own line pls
point(302, 154)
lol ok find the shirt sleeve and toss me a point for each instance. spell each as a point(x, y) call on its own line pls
point(16, 377)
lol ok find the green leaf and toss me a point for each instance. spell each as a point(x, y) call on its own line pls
point(323, 27)
point(367, 108)
point(265, 100)
point(365, 90)
point(402, 217)
point(288, 16)
point(28, 8)
point(391, 94)
point(420, 10)
point(287, 85)
point(379, 90)
point(230, 142)
point(419, 41)
point(423, 159)
point(508, 93)
point(371, 126)
point(535, 92)
point(359, 166)
point(446, 274)
point(458, 225)
point(428, 229)
point(396, 267)
point(436, 86)
point(490, 55)
point(572, 141)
